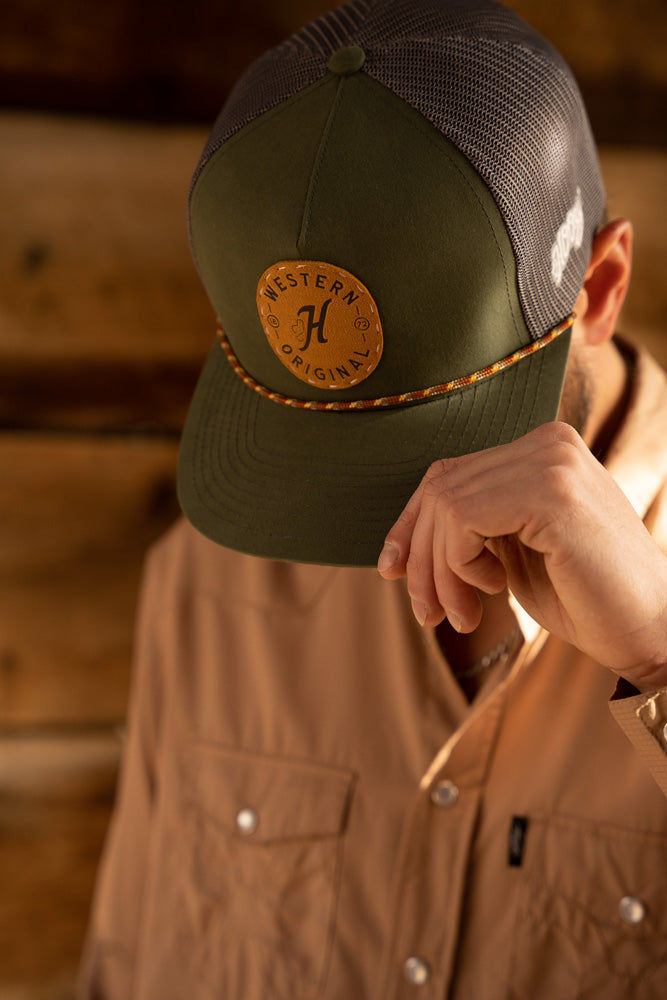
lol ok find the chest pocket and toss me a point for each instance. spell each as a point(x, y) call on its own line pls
point(591, 919)
point(260, 851)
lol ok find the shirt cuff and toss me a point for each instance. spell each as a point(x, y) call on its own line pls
point(643, 719)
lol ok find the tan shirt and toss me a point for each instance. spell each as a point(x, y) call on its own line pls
point(310, 809)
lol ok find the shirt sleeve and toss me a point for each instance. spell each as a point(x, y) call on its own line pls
point(108, 961)
point(643, 718)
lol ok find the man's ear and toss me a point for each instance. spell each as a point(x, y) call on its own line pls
point(606, 282)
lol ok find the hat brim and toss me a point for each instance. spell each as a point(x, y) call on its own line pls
point(325, 487)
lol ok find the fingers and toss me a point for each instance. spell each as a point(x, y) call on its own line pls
point(393, 559)
point(541, 516)
point(456, 595)
point(440, 540)
point(409, 551)
point(416, 547)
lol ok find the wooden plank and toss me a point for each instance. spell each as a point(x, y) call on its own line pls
point(61, 763)
point(56, 793)
point(76, 517)
point(93, 243)
point(152, 62)
point(137, 396)
point(103, 320)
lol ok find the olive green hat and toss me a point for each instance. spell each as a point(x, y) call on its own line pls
point(392, 219)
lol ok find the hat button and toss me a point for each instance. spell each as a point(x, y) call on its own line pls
point(347, 61)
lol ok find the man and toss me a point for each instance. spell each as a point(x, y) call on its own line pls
point(339, 786)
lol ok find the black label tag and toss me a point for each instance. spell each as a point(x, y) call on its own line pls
point(517, 840)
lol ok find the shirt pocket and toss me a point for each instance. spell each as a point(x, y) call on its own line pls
point(260, 845)
point(591, 920)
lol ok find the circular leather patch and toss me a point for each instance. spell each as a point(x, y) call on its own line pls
point(321, 322)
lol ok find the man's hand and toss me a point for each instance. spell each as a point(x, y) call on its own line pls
point(542, 516)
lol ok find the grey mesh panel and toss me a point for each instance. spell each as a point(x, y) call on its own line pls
point(285, 70)
point(492, 86)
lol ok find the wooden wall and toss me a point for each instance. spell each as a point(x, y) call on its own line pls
point(103, 328)
point(165, 60)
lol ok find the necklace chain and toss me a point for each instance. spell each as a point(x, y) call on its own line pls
point(498, 652)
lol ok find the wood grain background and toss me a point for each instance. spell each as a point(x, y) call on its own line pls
point(103, 328)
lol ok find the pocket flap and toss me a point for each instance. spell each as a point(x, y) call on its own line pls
point(596, 866)
point(262, 798)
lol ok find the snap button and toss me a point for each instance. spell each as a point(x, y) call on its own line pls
point(416, 971)
point(347, 61)
point(632, 910)
point(664, 732)
point(247, 821)
point(445, 794)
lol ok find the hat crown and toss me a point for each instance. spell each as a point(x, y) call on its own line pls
point(425, 162)
point(492, 86)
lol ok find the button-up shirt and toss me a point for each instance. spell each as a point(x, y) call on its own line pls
point(310, 809)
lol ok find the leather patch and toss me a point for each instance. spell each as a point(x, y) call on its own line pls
point(321, 322)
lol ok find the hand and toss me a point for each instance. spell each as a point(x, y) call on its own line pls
point(542, 516)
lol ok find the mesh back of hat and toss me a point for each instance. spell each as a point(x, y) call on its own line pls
point(494, 88)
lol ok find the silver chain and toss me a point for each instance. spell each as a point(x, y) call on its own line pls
point(498, 652)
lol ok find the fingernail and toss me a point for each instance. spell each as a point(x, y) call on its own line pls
point(454, 620)
point(388, 557)
point(419, 611)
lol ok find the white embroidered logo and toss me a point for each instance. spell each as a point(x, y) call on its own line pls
point(568, 238)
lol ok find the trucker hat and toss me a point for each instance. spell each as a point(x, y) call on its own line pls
point(392, 219)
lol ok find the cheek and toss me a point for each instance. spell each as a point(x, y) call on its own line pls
point(577, 399)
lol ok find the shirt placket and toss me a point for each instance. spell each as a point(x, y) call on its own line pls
point(434, 859)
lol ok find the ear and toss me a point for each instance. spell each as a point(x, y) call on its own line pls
point(605, 283)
